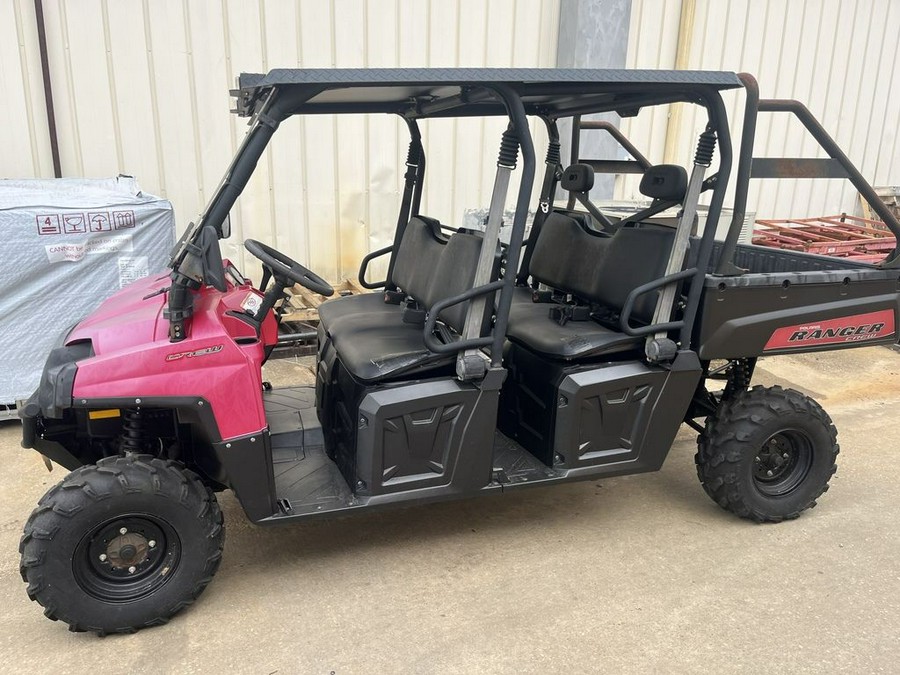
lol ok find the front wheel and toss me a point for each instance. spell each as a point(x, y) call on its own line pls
point(122, 545)
point(767, 454)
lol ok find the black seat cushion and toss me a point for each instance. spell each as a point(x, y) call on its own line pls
point(530, 325)
point(374, 351)
point(333, 311)
point(419, 253)
point(599, 271)
point(453, 274)
point(635, 256)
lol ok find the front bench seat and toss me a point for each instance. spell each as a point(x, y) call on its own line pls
point(419, 252)
point(374, 351)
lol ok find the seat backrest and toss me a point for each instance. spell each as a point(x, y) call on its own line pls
point(453, 274)
point(567, 255)
point(430, 267)
point(599, 268)
point(417, 256)
point(635, 256)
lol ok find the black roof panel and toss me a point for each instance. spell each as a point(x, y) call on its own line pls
point(415, 91)
point(474, 76)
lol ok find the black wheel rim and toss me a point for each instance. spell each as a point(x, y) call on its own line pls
point(782, 463)
point(126, 558)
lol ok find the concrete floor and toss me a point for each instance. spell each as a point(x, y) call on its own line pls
point(633, 574)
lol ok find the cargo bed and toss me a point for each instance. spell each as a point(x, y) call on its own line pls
point(795, 302)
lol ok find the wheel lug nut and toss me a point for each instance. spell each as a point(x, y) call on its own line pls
point(132, 569)
point(769, 473)
point(123, 530)
point(151, 543)
point(786, 456)
point(102, 557)
point(757, 459)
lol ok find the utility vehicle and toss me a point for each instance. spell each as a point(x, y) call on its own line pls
point(481, 366)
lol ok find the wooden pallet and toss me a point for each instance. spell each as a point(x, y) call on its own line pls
point(889, 195)
point(303, 304)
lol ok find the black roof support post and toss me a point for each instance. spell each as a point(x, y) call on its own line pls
point(277, 106)
point(726, 266)
point(420, 177)
point(411, 189)
point(718, 119)
point(574, 151)
point(520, 123)
point(551, 172)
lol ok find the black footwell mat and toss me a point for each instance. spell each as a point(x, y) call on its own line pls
point(514, 464)
point(306, 480)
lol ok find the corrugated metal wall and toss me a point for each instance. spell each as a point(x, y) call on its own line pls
point(141, 87)
point(839, 58)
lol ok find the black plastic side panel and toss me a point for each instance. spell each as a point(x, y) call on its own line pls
point(423, 435)
point(739, 315)
point(247, 464)
point(603, 414)
point(650, 437)
point(622, 415)
point(528, 400)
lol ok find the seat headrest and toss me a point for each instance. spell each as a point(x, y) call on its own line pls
point(665, 181)
point(577, 178)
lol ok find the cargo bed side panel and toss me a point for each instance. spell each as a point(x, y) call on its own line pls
point(780, 313)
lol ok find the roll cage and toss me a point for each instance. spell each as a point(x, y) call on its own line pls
point(415, 94)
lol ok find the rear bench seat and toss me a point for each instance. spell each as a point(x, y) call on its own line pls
point(598, 270)
point(373, 341)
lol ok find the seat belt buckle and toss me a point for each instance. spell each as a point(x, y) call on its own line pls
point(412, 313)
point(562, 314)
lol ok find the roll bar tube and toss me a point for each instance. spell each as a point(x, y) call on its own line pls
point(412, 194)
point(438, 307)
point(271, 113)
point(551, 170)
point(526, 146)
point(718, 120)
point(364, 268)
point(643, 289)
point(752, 107)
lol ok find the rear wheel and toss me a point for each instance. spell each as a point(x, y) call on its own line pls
point(122, 544)
point(767, 454)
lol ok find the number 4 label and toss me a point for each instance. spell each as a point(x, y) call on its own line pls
point(48, 224)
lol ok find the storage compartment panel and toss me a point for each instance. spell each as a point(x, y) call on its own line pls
point(424, 434)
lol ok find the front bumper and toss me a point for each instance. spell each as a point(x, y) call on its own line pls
point(48, 406)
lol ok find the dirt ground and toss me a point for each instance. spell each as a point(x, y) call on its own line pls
point(633, 574)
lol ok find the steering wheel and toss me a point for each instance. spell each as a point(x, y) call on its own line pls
point(283, 267)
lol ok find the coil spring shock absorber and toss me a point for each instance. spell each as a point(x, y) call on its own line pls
point(134, 437)
point(739, 376)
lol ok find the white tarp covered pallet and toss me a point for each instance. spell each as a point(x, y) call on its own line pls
point(67, 244)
